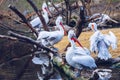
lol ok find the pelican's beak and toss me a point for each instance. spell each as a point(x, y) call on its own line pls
point(93, 28)
point(48, 11)
point(76, 40)
point(65, 33)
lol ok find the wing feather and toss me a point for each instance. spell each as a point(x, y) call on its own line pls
point(111, 39)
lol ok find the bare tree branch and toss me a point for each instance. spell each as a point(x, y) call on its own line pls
point(39, 14)
point(67, 3)
point(23, 18)
point(30, 40)
point(8, 37)
point(4, 26)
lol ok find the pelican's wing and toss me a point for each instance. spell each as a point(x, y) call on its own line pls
point(81, 51)
point(111, 39)
point(85, 60)
point(94, 40)
point(52, 38)
point(43, 38)
point(35, 22)
point(43, 35)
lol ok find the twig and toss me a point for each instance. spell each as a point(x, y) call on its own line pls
point(104, 11)
point(8, 37)
point(11, 29)
point(64, 10)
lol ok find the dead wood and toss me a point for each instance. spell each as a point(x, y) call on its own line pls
point(14, 9)
point(8, 37)
point(9, 27)
point(31, 41)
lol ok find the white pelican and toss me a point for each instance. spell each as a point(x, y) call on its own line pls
point(78, 57)
point(36, 23)
point(51, 38)
point(102, 19)
point(100, 42)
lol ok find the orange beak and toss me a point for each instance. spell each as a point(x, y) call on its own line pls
point(92, 27)
point(65, 33)
point(48, 11)
point(76, 40)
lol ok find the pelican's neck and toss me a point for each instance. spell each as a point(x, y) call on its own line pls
point(45, 16)
point(72, 43)
point(60, 28)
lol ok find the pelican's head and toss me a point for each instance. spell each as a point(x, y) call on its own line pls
point(71, 34)
point(72, 37)
point(92, 26)
point(45, 8)
point(59, 22)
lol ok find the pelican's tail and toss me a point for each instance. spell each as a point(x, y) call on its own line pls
point(104, 55)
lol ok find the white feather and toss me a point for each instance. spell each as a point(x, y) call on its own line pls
point(100, 43)
point(94, 40)
point(111, 39)
point(84, 60)
point(50, 38)
point(78, 56)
